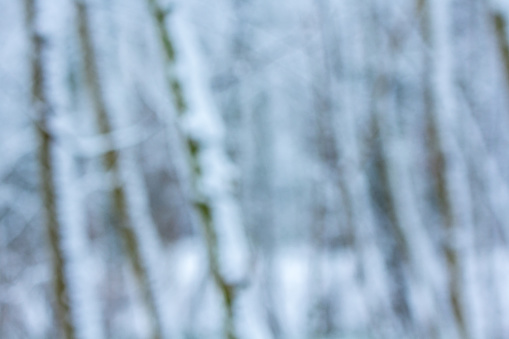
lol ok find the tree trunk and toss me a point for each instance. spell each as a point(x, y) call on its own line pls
point(451, 175)
point(123, 222)
point(199, 144)
point(43, 110)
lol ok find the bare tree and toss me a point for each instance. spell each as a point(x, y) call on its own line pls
point(124, 223)
point(43, 111)
point(206, 202)
point(500, 24)
point(452, 184)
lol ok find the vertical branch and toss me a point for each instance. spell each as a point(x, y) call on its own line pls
point(400, 256)
point(417, 257)
point(123, 224)
point(451, 182)
point(500, 25)
point(248, 122)
point(385, 191)
point(195, 148)
point(371, 269)
point(328, 174)
point(263, 226)
point(43, 109)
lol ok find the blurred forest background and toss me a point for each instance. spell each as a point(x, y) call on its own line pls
point(246, 169)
